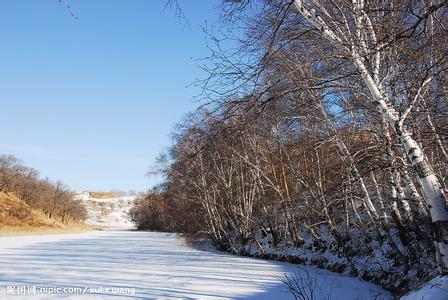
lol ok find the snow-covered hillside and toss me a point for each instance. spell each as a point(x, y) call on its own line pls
point(110, 212)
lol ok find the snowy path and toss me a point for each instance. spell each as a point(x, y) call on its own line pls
point(156, 265)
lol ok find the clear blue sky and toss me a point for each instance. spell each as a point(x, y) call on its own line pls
point(91, 102)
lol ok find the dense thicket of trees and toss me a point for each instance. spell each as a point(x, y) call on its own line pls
point(150, 212)
point(54, 199)
point(326, 131)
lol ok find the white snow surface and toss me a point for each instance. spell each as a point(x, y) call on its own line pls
point(152, 266)
point(436, 289)
point(108, 212)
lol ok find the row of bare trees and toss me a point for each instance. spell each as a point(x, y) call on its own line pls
point(54, 199)
point(324, 130)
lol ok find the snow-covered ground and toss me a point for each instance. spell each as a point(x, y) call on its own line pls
point(108, 212)
point(147, 265)
point(436, 289)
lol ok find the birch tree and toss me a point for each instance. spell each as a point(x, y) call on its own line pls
point(359, 40)
point(321, 131)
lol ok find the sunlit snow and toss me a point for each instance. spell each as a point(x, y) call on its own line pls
point(156, 265)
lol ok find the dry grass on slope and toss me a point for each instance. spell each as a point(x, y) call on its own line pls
point(101, 195)
point(18, 218)
point(16, 213)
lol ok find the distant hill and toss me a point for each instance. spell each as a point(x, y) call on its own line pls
point(107, 209)
point(102, 195)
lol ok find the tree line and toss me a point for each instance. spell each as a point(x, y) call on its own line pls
point(55, 200)
point(324, 130)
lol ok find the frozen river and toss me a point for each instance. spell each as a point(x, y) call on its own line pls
point(122, 264)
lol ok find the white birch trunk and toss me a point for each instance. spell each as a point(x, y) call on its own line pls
point(431, 188)
point(371, 210)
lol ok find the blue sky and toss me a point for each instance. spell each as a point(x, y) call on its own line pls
point(91, 102)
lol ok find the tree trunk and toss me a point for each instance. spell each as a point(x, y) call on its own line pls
point(431, 188)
